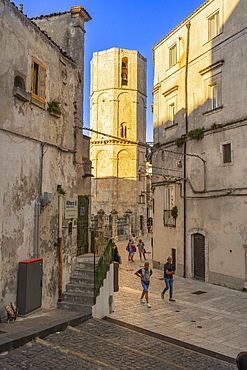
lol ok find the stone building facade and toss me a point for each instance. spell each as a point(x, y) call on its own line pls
point(43, 152)
point(200, 135)
point(118, 137)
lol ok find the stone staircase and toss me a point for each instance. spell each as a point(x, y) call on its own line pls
point(79, 294)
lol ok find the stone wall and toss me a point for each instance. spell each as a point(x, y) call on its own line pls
point(39, 151)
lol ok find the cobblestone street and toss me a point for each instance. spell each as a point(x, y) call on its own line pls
point(198, 331)
point(98, 344)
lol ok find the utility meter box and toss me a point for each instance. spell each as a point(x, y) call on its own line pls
point(29, 289)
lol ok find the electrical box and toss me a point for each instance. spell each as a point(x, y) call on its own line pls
point(46, 198)
point(29, 288)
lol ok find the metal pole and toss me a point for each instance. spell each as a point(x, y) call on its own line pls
point(185, 144)
point(60, 248)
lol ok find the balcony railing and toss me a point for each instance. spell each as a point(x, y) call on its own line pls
point(168, 219)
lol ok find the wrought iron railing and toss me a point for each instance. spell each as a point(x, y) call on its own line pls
point(102, 266)
point(168, 219)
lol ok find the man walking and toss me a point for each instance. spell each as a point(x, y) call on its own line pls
point(169, 271)
point(144, 273)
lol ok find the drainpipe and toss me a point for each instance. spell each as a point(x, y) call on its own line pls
point(60, 247)
point(37, 208)
point(36, 229)
point(185, 144)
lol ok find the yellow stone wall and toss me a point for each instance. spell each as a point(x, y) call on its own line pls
point(117, 158)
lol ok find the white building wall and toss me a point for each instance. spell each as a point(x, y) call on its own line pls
point(215, 191)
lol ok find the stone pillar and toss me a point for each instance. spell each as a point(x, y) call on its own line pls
point(101, 227)
point(114, 225)
point(128, 214)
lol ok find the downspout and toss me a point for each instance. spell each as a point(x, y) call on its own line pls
point(185, 144)
point(37, 208)
point(36, 229)
point(60, 247)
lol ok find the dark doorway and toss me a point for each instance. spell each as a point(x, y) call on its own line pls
point(142, 224)
point(82, 225)
point(199, 256)
point(174, 258)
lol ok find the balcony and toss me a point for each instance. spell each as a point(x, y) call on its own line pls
point(168, 219)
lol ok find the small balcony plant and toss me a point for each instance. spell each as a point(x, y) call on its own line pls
point(54, 108)
point(197, 134)
point(174, 212)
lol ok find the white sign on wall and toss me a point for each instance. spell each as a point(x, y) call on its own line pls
point(71, 210)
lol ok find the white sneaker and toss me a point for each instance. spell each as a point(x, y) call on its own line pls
point(148, 305)
point(142, 300)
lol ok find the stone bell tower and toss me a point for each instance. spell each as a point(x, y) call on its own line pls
point(118, 118)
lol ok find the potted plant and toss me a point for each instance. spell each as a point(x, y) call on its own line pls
point(54, 108)
point(174, 212)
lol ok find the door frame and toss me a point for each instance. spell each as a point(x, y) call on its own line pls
point(190, 267)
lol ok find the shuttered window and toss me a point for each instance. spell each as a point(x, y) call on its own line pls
point(38, 83)
point(173, 55)
point(213, 26)
point(227, 153)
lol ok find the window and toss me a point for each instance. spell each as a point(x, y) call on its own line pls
point(170, 96)
point(169, 204)
point(19, 82)
point(227, 153)
point(213, 26)
point(38, 83)
point(124, 72)
point(172, 113)
point(123, 131)
point(169, 197)
point(212, 76)
point(214, 95)
point(173, 55)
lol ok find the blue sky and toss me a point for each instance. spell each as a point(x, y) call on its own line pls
point(130, 24)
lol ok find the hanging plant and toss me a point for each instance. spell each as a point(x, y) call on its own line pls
point(180, 141)
point(54, 107)
point(174, 212)
point(197, 134)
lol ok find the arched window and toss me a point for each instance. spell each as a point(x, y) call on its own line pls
point(123, 130)
point(124, 72)
point(19, 82)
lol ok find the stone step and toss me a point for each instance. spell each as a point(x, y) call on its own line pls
point(82, 288)
point(83, 273)
point(89, 266)
point(77, 297)
point(82, 280)
point(83, 308)
point(87, 258)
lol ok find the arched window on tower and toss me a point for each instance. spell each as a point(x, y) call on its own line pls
point(123, 130)
point(124, 72)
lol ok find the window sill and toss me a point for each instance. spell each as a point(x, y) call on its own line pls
point(21, 94)
point(213, 38)
point(211, 111)
point(169, 126)
point(170, 225)
point(57, 115)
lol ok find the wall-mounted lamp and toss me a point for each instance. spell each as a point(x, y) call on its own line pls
point(141, 199)
point(87, 175)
